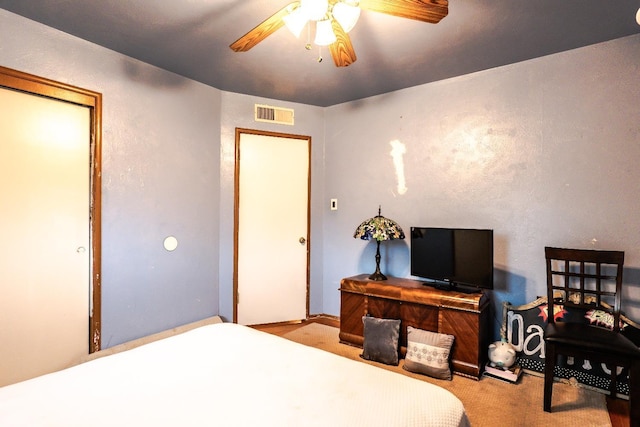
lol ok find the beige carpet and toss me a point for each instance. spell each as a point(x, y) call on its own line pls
point(488, 402)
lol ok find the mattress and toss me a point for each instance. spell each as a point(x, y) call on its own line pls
point(227, 375)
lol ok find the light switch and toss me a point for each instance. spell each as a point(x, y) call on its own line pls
point(334, 204)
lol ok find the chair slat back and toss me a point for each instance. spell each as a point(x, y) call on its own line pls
point(585, 279)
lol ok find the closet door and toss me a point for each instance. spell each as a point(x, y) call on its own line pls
point(44, 234)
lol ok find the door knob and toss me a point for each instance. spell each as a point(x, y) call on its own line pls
point(302, 240)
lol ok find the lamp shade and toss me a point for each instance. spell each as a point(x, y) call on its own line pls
point(324, 33)
point(295, 21)
point(346, 15)
point(314, 9)
point(379, 229)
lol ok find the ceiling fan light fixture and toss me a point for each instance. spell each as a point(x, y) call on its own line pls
point(346, 14)
point(638, 16)
point(314, 10)
point(295, 21)
point(332, 19)
point(324, 33)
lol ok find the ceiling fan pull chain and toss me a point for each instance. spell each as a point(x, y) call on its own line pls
point(308, 45)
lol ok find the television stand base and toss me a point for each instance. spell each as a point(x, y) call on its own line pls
point(448, 286)
point(467, 290)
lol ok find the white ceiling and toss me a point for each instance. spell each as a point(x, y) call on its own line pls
point(192, 37)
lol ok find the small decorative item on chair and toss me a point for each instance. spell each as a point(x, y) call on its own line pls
point(379, 229)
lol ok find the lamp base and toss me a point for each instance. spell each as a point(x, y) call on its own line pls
point(377, 276)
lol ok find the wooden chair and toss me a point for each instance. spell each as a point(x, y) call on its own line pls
point(589, 279)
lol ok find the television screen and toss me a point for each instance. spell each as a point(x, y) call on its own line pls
point(453, 256)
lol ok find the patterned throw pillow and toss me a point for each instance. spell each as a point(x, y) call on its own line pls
point(428, 353)
point(381, 340)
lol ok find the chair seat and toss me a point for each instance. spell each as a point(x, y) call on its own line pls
point(585, 337)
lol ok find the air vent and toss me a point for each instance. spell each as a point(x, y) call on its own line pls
point(265, 113)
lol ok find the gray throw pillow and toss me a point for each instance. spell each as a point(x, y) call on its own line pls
point(428, 353)
point(381, 340)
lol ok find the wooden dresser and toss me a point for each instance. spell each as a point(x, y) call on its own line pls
point(465, 316)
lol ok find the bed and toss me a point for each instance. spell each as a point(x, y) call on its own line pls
point(229, 375)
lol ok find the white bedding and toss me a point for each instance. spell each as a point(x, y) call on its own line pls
point(227, 375)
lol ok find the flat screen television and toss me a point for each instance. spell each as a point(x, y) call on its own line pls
point(449, 258)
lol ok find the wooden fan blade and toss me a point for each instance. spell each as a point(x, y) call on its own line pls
point(262, 30)
point(341, 50)
point(431, 11)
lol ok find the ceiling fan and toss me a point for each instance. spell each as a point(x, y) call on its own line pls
point(333, 19)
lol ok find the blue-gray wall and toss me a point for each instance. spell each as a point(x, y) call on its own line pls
point(161, 157)
point(545, 152)
point(491, 149)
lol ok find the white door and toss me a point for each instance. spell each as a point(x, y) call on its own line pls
point(272, 228)
point(44, 229)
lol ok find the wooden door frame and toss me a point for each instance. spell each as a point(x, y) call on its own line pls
point(236, 209)
point(32, 84)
